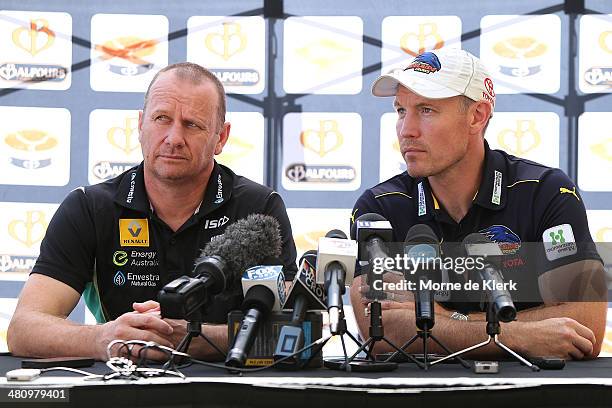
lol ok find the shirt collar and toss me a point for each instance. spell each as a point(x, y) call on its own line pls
point(493, 188)
point(218, 190)
point(491, 194)
point(132, 193)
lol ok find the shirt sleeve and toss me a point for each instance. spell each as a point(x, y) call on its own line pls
point(68, 248)
point(563, 227)
point(276, 208)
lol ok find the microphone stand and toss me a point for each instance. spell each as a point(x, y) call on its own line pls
point(493, 331)
point(342, 330)
point(194, 329)
point(424, 333)
point(377, 333)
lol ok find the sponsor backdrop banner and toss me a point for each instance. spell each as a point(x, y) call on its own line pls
point(73, 77)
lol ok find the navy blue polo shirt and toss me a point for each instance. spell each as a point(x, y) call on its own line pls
point(518, 203)
point(107, 243)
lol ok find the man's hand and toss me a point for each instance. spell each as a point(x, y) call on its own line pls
point(556, 337)
point(388, 296)
point(179, 327)
point(135, 326)
point(148, 306)
point(216, 333)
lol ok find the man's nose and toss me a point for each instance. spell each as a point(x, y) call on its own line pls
point(176, 134)
point(407, 127)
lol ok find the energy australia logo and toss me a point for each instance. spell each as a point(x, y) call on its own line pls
point(119, 279)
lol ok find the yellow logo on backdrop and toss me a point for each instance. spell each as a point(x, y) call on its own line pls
point(603, 41)
point(603, 149)
point(325, 53)
point(30, 140)
point(228, 44)
point(520, 140)
point(125, 138)
point(235, 149)
point(324, 140)
point(36, 38)
point(30, 230)
point(134, 232)
point(427, 38)
point(129, 48)
point(308, 240)
point(520, 48)
point(604, 235)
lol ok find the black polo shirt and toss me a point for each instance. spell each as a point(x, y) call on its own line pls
point(107, 243)
point(518, 203)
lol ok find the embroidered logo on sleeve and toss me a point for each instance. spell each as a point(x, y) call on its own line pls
point(559, 242)
point(563, 190)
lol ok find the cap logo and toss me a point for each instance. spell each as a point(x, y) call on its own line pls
point(426, 63)
point(489, 86)
point(489, 95)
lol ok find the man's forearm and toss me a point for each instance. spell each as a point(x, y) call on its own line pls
point(38, 334)
point(518, 335)
point(217, 334)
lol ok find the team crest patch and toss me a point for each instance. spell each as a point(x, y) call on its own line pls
point(134, 232)
point(426, 63)
point(504, 237)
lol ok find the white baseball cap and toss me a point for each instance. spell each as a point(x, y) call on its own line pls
point(440, 74)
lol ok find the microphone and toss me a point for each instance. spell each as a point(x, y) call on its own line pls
point(245, 243)
point(371, 231)
point(336, 257)
point(305, 294)
point(479, 245)
point(421, 247)
point(264, 292)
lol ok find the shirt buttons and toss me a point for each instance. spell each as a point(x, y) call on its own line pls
point(172, 241)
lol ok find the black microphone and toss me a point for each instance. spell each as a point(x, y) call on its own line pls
point(257, 305)
point(479, 245)
point(245, 243)
point(422, 248)
point(336, 257)
point(305, 294)
point(371, 231)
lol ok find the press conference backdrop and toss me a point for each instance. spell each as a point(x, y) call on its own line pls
point(298, 75)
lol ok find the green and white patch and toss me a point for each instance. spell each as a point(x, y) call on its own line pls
point(559, 242)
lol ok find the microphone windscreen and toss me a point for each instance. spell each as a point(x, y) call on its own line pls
point(421, 233)
point(245, 243)
point(336, 233)
point(365, 217)
point(309, 256)
point(259, 297)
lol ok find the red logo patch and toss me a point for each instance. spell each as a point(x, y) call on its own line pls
point(489, 86)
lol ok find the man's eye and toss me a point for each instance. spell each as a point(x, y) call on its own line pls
point(162, 118)
point(400, 111)
point(426, 110)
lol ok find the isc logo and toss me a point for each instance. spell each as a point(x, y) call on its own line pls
point(209, 224)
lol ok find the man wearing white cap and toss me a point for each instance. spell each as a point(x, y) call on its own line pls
point(457, 185)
